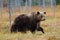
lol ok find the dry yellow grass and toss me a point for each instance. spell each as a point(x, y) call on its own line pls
point(51, 26)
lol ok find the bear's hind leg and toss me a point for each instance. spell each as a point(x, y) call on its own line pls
point(13, 28)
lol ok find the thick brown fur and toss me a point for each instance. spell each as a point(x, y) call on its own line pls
point(23, 23)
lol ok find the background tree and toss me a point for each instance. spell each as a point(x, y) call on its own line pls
point(58, 2)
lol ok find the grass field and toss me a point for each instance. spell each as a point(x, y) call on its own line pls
point(51, 26)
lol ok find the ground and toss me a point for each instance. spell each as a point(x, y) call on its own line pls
point(51, 26)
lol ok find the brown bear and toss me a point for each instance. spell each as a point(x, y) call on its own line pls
point(31, 22)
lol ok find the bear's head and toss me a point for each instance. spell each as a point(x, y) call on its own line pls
point(41, 16)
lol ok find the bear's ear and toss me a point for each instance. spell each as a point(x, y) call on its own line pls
point(44, 12)
point(38, 12)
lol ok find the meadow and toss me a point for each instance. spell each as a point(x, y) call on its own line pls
point(51, 25)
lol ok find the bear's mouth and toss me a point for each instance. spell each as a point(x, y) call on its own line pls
point(43, 20)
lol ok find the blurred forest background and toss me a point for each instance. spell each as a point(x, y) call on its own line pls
point(34, 2)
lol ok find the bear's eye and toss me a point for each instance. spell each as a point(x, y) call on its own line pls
point(44, 12)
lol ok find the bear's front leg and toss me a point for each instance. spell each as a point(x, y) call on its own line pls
point(33, 29)
point(39, 28)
